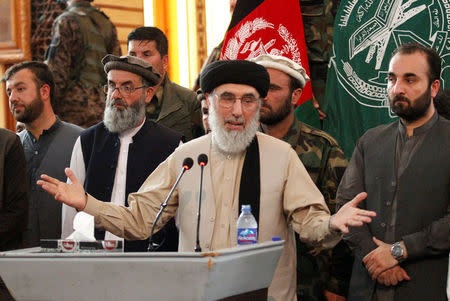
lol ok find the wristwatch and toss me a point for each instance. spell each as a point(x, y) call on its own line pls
point(397, 251)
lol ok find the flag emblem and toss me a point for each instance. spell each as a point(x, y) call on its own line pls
point(246, 42)
point(267, 27)
point(379, 28)
point(366, 32)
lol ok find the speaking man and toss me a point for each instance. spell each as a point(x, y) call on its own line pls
point(245, 167)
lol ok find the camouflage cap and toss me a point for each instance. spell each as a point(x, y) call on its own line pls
point(283, 64)
point(132, 64)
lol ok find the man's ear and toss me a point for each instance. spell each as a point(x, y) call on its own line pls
point(165, 61)
point(44, 92)
point(296, 96)
point(435, 88)
point(149, 93)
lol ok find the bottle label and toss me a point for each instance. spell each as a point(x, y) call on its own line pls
point(247, 236)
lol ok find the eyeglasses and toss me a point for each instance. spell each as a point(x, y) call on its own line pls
point(227, 100)
point(124, 90)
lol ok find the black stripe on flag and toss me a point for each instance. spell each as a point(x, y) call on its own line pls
point(242, 9)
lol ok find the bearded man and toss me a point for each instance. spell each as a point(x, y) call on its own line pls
point(244, 167)
point(405, 169)
point(47, 142)
point(321, 274)
point(114, 157)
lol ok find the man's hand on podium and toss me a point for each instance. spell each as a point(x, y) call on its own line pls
point(72, 194)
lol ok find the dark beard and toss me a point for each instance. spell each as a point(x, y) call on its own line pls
point(275, 117)
point(31, 111)
point(408, 112)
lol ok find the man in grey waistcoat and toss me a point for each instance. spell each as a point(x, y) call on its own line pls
point(405, 169)
point(47, 142)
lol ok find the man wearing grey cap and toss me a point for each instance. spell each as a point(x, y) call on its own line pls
point(321, 274)
point(114, 157)
point(244, 167)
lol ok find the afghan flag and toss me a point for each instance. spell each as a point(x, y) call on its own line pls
point(365, 35)
point(267, 27)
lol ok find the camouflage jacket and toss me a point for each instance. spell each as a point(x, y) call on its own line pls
point(43, 14)
point(323, 158)
point(319, 270)
point(318, 20)
point(75, 101)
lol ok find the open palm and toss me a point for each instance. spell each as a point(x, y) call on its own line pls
point(351, 216)
point(72, 194)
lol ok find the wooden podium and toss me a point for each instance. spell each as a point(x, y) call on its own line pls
point(236, 272)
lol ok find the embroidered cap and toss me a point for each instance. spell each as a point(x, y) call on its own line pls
point(283, 64)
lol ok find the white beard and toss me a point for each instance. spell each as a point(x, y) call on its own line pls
point(117, 121)
point(231, 142)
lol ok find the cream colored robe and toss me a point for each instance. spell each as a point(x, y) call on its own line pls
point(289, 200)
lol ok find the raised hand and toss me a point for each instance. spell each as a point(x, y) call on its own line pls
point(350, 215)
point(72, 195)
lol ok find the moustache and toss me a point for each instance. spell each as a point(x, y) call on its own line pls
point(16, 105)
point(234, 120)
point(118, 102)
point(400, 98)
point(266, 105)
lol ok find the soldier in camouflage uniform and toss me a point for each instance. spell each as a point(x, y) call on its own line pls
point(321, 274)
point(81, 37)
point(318, 19)
point(327, 270)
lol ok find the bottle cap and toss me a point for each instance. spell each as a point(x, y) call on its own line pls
point(246, 208)
point(276, 238)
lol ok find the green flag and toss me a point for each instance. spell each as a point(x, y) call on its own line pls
point(366, 32)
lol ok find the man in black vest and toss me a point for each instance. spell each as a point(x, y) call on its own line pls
point(405, 169)
point(114, 157)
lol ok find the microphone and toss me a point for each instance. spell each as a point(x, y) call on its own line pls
point(202, 161)
point(187, 164)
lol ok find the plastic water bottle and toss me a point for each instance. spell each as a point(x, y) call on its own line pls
point(247, 227)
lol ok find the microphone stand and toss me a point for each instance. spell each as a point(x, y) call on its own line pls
point(202, 161)
point(186, 165)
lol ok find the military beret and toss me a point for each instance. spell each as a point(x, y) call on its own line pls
point(283, 64)
point(235, 72)
point(132, 64)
